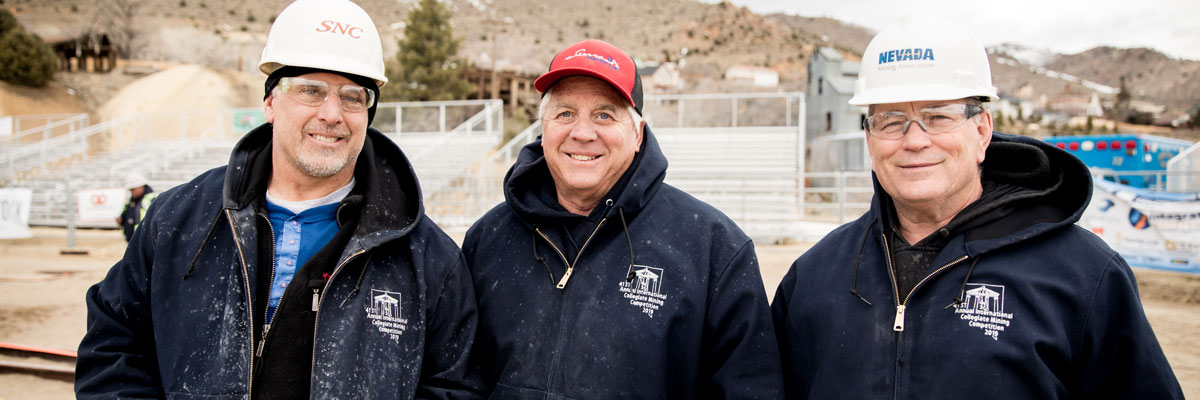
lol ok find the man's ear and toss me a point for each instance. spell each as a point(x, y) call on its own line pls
point(984, 128)
point(269, 107)
point(640, 129)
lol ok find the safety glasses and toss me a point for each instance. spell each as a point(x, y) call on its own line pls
point(936, 120)
point(314, 93)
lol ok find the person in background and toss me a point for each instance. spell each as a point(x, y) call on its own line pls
point(306, 267)
point(595, 279)
point(967, 278)
point(140, 197)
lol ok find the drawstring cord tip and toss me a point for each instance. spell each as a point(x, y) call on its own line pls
point(860, 297)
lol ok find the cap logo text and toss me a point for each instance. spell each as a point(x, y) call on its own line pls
point(905, 55)
point(340, 28)
point(607, 60)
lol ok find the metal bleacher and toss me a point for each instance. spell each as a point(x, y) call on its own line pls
point(752, 173)
point(749, 173)
point(172, 148)
point(744, 155)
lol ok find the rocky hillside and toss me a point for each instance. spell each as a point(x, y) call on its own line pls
point(523, 35)
point(1149, 74)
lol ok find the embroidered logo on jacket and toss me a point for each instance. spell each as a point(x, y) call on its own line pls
point(644, 290)
point(384, 313)
point(983, 308)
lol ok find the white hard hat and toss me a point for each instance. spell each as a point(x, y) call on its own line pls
point(335, 35)
point(134, 180)
point(923, 57)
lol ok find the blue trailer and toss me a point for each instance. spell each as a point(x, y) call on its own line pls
point(1124, 152)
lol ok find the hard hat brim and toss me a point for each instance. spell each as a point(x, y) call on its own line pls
point(921, 92)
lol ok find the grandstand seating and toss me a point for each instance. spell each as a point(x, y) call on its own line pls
point(749, 173)
point(752, 174)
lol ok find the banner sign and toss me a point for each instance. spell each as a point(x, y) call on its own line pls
point(245, 119)
point(100, 205)
point(1150, 229)
point(14, 213)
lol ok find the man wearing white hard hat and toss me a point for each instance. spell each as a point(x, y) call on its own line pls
point(140, 197)
point(306, 268)
point(967, 278)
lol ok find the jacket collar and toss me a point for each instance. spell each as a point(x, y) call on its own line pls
point(387, 191)
point(1034, 188)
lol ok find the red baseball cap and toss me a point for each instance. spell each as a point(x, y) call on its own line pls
point(598, 59)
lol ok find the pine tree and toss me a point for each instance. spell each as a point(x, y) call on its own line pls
point(25, 59)
point(8, 22)
point(1122, 105)
point(426, 67)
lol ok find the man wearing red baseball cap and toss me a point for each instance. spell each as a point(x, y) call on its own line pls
point(597, 280)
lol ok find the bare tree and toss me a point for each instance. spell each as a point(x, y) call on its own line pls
point(120, 16)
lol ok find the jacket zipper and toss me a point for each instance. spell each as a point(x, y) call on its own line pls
point(562, 283)
point(316, 306)
point(898, 324)
point(249, 305)
point(262, 342)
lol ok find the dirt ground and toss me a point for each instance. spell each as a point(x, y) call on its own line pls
point(41, 302)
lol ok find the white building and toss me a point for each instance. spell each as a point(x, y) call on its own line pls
point(758, 76)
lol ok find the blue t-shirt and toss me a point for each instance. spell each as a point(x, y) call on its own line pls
point(297, 238)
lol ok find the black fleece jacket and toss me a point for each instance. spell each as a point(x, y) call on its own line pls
point(178, 316)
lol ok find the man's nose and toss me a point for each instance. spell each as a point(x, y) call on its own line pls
point(583, 130)
point(331, 110)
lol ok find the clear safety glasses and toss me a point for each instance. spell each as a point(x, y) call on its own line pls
point(314, 93)
point(934, 120)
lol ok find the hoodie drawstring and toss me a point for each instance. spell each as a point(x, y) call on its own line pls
point(211, 228)
point(538, 257)
point(358, 283)
point(629, 241)
point(962, 289)
point(857, 261)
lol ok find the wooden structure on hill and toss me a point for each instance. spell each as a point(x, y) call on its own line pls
point(515, 88)
point(93, 52)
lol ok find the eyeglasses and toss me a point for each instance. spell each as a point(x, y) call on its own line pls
point(314, 93)
point(892, 125)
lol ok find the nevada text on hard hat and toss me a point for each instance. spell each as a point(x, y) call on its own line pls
point(905, 55)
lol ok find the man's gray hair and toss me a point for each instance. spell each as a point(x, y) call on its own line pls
point(545, 105)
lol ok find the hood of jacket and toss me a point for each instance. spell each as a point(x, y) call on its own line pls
point(529, 187)
point(386, 186)
point(1030, 188)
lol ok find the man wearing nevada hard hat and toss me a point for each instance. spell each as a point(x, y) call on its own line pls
point(303, 269)
point(596, 279)
point(967, 278)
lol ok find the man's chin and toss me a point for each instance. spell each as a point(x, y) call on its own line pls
point(321, 168)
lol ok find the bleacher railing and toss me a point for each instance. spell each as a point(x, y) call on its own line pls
point(1180, 181)
point(450, 135)
point(1187, 160)
point(675, 119)
point(445, 155)
point(35, 128)
point(480, 188)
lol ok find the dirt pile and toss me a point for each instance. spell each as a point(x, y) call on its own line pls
point(51, 99)
point(178, 102)
point(179, 88)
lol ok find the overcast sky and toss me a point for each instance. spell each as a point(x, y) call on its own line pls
point(1064, 26)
